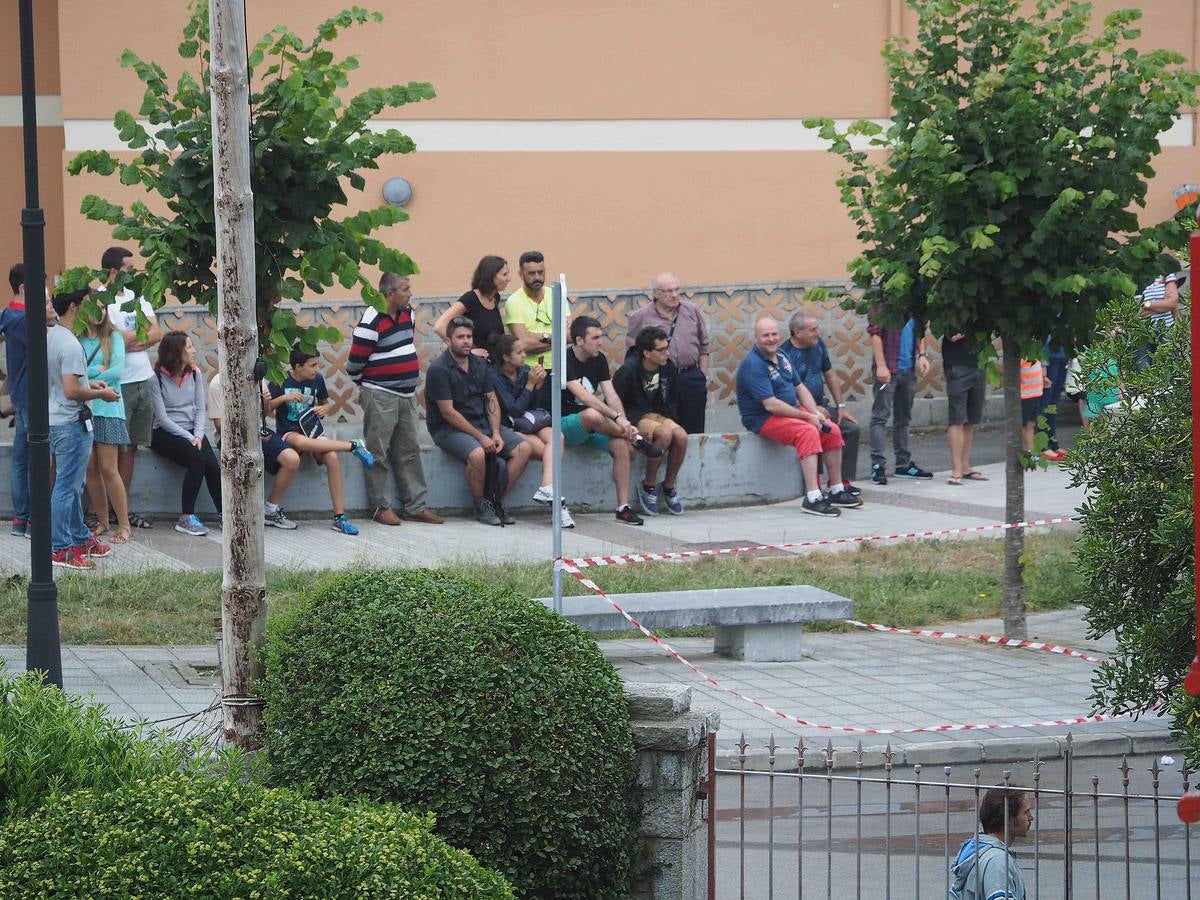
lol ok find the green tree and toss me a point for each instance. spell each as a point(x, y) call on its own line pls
point(309, 147)
point(1019, 145)
point(1136, 552)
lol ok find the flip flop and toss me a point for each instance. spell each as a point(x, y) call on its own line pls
point(954, 479)
point(975, 476)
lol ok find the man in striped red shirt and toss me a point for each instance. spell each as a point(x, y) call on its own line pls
point(383, 362)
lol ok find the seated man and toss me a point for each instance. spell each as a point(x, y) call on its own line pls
point(806, 351)
point(648, 388)
point(463, 418)
point(593, 413)
point(774, 403)
point(299, 404)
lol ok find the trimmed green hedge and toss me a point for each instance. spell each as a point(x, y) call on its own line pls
point(184, 836)
point(440, 693)
point(51, 743)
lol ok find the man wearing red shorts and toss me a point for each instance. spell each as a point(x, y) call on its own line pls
point(774, 403)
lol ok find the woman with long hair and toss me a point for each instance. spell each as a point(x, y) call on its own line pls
point(177, 394)
point(516, 384)
point(104, 351)
point(481, 304)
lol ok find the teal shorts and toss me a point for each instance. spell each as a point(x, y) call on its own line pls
point(575, 435)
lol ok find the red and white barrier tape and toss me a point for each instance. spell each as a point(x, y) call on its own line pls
point(587, 562)
point(568, 567)
point(998, 640)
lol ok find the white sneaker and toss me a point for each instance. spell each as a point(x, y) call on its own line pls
point(565, 517)
point(544, 495)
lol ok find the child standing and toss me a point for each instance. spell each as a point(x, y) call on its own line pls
point(299, 404)
point(1033, 383)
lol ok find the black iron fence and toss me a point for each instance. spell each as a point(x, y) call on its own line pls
point(821, 823)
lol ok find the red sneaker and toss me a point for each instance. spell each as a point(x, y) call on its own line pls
point(94, 548)
point(71, 559)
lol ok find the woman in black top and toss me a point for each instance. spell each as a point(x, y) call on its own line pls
point(481, 304)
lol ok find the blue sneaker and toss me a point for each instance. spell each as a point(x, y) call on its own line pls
point(648, 499)
point(342, 524)
point(671, 498)
point(191, 525)
point(359, 449)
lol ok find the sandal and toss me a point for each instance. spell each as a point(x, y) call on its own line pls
point(121, 536)
point(139, 521)
point(92, 521)
point(954, 479)
point(975, 476)
point(98, 530)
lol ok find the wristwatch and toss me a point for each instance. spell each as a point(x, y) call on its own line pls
point(841, 406)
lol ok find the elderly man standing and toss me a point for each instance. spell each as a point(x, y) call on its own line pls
point(806, 351)
point(687, 338)
point(774, 403)
point(383, 363)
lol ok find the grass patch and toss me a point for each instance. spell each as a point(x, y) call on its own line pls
point(909, 585)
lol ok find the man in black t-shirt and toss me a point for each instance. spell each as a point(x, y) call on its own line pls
point(593, 414)
point(463, 418)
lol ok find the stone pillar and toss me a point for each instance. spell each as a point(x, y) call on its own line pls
point(670, 742)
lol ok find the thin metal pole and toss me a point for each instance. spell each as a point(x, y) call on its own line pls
point(557, 373)
point(742, 815)
point(917, 831)
point(887, 818)
point(1037, 817)
point(1155, 771)
point(829, 819)
point(946, 832)
point(1125, 804)
point(1068, 815)
point(1096, 828)
point(711, 792)
point(858, 785)
point(42, 648)
point(800, 819)
point(771, 818)
point(1187, 840)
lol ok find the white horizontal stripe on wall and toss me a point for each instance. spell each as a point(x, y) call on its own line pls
point(47, 106)
point(582, 135)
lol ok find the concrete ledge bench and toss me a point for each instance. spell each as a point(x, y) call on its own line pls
point(761, 624)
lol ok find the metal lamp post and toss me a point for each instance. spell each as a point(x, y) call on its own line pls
point(42, 650)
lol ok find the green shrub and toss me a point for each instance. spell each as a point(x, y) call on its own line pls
point(51, 743)
point(438, 693)
point(1135, 549)
point(181, 835)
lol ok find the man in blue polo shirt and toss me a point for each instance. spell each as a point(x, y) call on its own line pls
point(12, 332)
point(775, 404)
point(805, 350)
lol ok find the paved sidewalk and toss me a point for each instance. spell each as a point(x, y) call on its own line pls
point(860, 679)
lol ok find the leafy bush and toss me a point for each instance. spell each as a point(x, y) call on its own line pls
point(51, 743)
point(180, 835)
point(1135, 551)
point(439, 693)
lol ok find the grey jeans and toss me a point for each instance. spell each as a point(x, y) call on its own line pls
point(390, 431)
point(894, 401)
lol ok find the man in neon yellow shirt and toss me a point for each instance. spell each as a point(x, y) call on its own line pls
point(527, 313)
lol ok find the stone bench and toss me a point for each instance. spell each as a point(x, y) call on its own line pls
point(761, 624)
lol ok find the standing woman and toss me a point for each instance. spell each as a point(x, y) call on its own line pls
point(177, 395)
point(106, 362)
point(481, 304)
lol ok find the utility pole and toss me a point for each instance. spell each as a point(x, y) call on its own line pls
point(243, 587)
point(42, 649)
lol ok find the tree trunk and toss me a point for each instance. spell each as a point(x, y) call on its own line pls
point(243, 588)
point(1013, 583)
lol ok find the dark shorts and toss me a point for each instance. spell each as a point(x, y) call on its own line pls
point(1030, 410)
point(271, 448)
point(460, 445)
point(965, 390)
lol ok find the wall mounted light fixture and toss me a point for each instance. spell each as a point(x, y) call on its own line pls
point(397, 191)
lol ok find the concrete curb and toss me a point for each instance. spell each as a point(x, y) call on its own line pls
point(949, 753)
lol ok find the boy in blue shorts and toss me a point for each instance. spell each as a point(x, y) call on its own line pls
point(299, 404)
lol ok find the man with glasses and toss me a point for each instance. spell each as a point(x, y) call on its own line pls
point(687, 339)
point(774, 403)
point(383, 363)
point(463, 418)
point(647, 385)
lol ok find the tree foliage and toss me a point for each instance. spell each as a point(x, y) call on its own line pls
point(309, 147)
point(1018, 147)
point(1135, 552)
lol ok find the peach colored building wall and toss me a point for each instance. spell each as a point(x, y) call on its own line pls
point(620, 139)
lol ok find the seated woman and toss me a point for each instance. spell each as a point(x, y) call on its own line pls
point(177, 395)
point(516, 385)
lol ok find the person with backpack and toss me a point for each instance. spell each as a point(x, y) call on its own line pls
point(984, 867)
